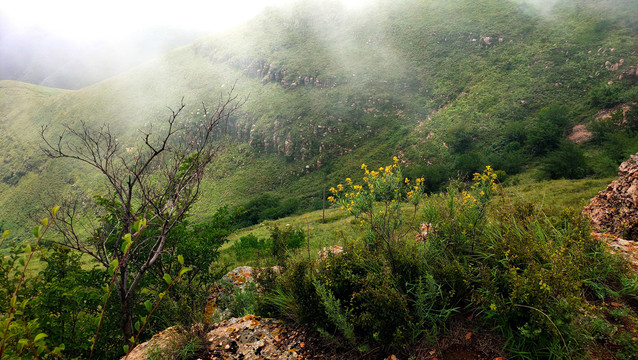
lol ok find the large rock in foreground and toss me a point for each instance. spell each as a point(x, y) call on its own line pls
point(615, 209)
point(246, 338)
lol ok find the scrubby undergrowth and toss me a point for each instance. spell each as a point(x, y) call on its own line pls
point(547, 288)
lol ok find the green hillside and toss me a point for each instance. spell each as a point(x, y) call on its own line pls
point(448, 86)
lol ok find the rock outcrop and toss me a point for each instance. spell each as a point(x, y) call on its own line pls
point(615, 209)
point(247, 338)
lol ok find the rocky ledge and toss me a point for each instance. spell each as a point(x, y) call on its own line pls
point(248, 338)
point(615, 209)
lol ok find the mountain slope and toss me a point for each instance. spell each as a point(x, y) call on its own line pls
point(448, 85)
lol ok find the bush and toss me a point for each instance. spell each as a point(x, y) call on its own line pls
point(247, 246)
point(567, 162)
point(265, 207)
point(548, 129)
point(604, 97)
point(278, 245)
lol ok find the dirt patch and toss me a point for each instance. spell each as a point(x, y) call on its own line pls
point(579, 134)
point(607, 113)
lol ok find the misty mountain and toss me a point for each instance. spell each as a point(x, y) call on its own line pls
point(34, 56)
point(448, 86)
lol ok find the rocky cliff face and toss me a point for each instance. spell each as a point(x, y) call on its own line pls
point(615, 209)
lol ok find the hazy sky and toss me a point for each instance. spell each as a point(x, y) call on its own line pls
point(88, 21)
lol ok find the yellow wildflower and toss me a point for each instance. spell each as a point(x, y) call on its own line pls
point(395, 159)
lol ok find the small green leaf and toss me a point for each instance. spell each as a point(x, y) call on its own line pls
point(39, 337)
point(5, 234)
point(54, 211)
point(37, 231)
point(180, 259)
point(131, 339)
point(184, 271)
point(14, 299)
point(22, 343)
point(127, 237)
point(126, 245)
point(143, 318)
point(148, 306)
point(58, 350)
point(168, 279)
point(125, 347)
point(137, 326)
point(27, 249)
point(136, 226)
point(45, 221)
point(161, 295)
point(114, 263)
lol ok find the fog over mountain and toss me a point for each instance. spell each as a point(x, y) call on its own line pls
point(39, 58)
point(70, 44)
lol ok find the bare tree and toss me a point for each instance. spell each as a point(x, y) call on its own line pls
point(158, 181)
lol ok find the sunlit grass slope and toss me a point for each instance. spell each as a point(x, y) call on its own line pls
point(335, 227)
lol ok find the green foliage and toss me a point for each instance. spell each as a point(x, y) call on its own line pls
point(548, 129)
point(604, 97)
point(567, 162)
point(524, 272)
point(285, 241)
point(279, 245)
point(248, 246)
point(239, 300)
point(68, 301)
point(265, 207)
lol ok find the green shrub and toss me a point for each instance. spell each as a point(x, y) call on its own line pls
point(247, 246)
point(265, 207)
point(604, 96)
point(278, 245)
point(548, 129)
point(568, 162)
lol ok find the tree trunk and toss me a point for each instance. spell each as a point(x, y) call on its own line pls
point(126, 322)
